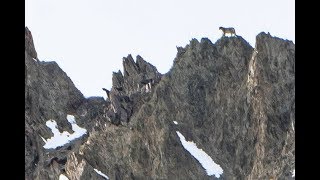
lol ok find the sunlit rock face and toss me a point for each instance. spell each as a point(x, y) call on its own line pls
point(235, 102)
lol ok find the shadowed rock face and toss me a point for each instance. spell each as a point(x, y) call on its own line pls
point(234, 101)
point(49, 94)
point(29, 46)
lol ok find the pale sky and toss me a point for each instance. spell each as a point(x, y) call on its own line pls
point(88, 38)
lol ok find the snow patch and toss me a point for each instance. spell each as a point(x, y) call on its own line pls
point(205, 160)
point(43, 139)
point(63, 177)
point(294, 173)
point(59, 139)
point(100, 173)
point(175, 122)
point(292, 125)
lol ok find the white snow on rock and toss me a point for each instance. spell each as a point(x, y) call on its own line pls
point(100, 173)
point(292, 125)
point(59, 139)
point(294, 173)
point(63, 177)
point(175, 122)
point(43, 139)
point(205, 160)
point(78, 131)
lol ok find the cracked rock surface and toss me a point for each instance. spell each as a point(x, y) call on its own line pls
point(236, 102)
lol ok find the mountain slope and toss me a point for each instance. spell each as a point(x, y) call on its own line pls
point(236, 102)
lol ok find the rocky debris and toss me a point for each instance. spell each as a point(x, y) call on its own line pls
point(234, 101)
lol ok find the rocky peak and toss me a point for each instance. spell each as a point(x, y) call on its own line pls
point(225, 99)
point(29, 46)
point(130, 86)
point(135, 72)
point(117, 80)
point(129, 66)
point(50, 96)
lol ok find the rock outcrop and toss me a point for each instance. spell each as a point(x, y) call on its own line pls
point(236, 102)
point(49, 95)
point(128, 88)
point(29, 45)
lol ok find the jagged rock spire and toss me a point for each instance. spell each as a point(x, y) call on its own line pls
point(29, 46)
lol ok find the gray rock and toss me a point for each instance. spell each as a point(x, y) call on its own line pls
point(227, 98)
point(234, 101)
point(29, 46)
point(49, 94)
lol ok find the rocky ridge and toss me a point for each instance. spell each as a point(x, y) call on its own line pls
point(235, 101)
